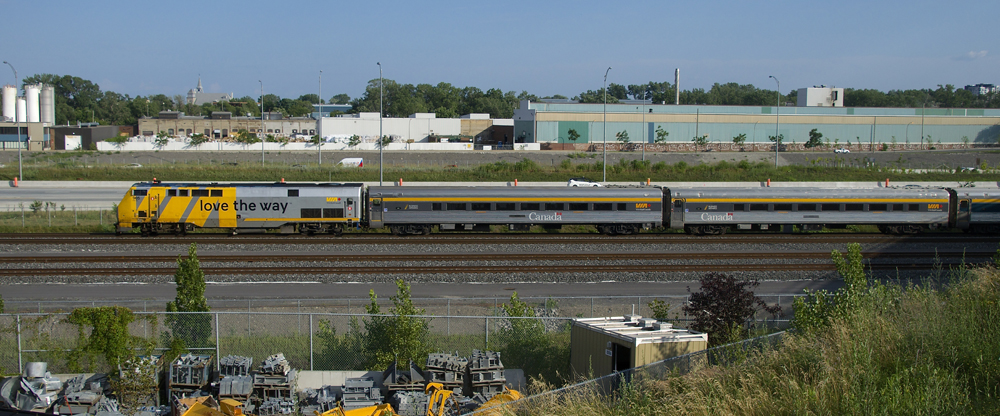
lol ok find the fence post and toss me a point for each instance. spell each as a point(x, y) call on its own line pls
point(310, 342)
point(20, 360)
point(76, 220)
point(22, 215)
point(591, 307)
point(248, 318)
point(487, 346)
point(298, 328)
point(449, 316)
point(217, 356)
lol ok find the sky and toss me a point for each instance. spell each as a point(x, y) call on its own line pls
point(542, 47)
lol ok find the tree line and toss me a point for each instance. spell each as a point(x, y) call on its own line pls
point(81, 100)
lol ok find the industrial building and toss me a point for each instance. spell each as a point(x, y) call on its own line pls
point(478, 129)
point(34, 113)
point(897, 128)
point(222, 124)
point(602, 346)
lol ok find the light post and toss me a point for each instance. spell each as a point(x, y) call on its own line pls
point(379, 122)
point(605, 146)
point(20, 173)
point(645, 131)
point(261, 122)
point(319, 119)
point(777, 117)
point(908, 132)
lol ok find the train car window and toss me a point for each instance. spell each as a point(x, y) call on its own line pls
point(293, 192)
point(139, 192)
point(455, 206)
point(171, 192)
point(182, 192)
point(436, 206)
point(578, 206)
point(782, 207)
point(897, 207)
point(622, 206)
point(914, 207)
point(554, 206)
point(758, 207)
point(480, 206)
point(604, 206)
point(530, 206)
point(854, 207)
point(963, 206)
point(199, 192)
point(311, 213)
point(216, 192)
point(831, 207)
point(806, 207)
point(333, 212)
point(878, 207)
point(739, 207)
point(505, 206)
point(678, 203)
point(142, 214)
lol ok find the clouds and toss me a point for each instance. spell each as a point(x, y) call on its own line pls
point(971, 56)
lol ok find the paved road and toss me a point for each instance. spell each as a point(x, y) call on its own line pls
point(164, 292)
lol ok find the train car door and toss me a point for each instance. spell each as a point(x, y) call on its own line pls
point(677, 214)
point(153, 206)
point(962, 213)
point(375, 212)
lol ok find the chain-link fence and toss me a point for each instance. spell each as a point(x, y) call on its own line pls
point(40, 214)
point(310, 341)
point(566, 306)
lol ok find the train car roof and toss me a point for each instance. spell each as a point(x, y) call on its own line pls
point(790, 193)
point(247, 184)
point(510, 191)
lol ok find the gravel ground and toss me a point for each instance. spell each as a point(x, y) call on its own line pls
point(621, 276)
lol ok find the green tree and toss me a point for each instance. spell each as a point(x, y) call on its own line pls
point(1, 303)
point(700, 141)
point(723, 307)
point(340, 99)
point(194, 325)
point(118, 141)
point(818, 308)
point(103, 331)
point(815, 139)
point(965, 141)
point(161, 139)
point(622, 137)
point(523, 343)
point(661, 310)
point(781, 138)
point(246, 137)
point(572, 135)
point(661, 135)
point(340, 352)
point(386, 140)
point(197, 139)
point(354, 141)
point(398, 337)
point(740, 139)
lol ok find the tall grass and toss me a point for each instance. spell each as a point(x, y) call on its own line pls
point(524, 170)
point(906, 351)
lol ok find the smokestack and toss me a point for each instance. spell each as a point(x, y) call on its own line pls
point(677, 86)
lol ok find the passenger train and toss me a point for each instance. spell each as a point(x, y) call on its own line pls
point(331, 208)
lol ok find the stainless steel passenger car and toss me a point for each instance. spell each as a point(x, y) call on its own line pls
point(981, 206)
point(417, 209)
point(893, 210)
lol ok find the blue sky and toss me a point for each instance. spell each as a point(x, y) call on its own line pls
point(543, 47)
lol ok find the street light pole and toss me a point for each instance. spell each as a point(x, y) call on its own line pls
point(777, 117)
point(20, 173)
point(261, 122)
point(605, 146)
point(319, 119)
point(644, 131)
point(379, 122)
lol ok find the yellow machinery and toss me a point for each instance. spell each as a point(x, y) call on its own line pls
point(494, 406)
point(441, 401)
point(378, 410)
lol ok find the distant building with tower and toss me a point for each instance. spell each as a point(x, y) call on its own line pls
point(198, 96)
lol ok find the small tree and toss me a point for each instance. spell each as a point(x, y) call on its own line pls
point(118, 141)
point(354, 141)
point(622, 137)
point(781, 137)
point(660, 310)
point(108, 337)
point(386, 140)
point(572, 135)
point(740, 139)
point(661, 135)
point(524, 344)
point(723, 307)
point(815, 139)
point(965, 141)
point(197, 139)
point(192, 328)
point(894, 143)
point(818, 308)
point(247, 138)
point(700, 141)
point(399, 337)
point(161, 139)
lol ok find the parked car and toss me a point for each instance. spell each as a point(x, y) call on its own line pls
point(842, 150)
point(133, 165)
point(577, 182)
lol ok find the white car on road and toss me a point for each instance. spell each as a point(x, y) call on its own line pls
point(842, 150)
point(577, 182)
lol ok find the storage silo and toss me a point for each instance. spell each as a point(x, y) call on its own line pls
point(31, 93)
point(21, 110)
point(9, 102)
point(49, 105)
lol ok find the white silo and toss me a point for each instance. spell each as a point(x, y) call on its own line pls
point(21, 110)
point(9, 102)
point(31, 93)
point(49, 105)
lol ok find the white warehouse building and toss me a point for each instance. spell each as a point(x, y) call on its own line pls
point(821, 96)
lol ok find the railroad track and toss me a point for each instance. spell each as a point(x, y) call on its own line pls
point(453, 239)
